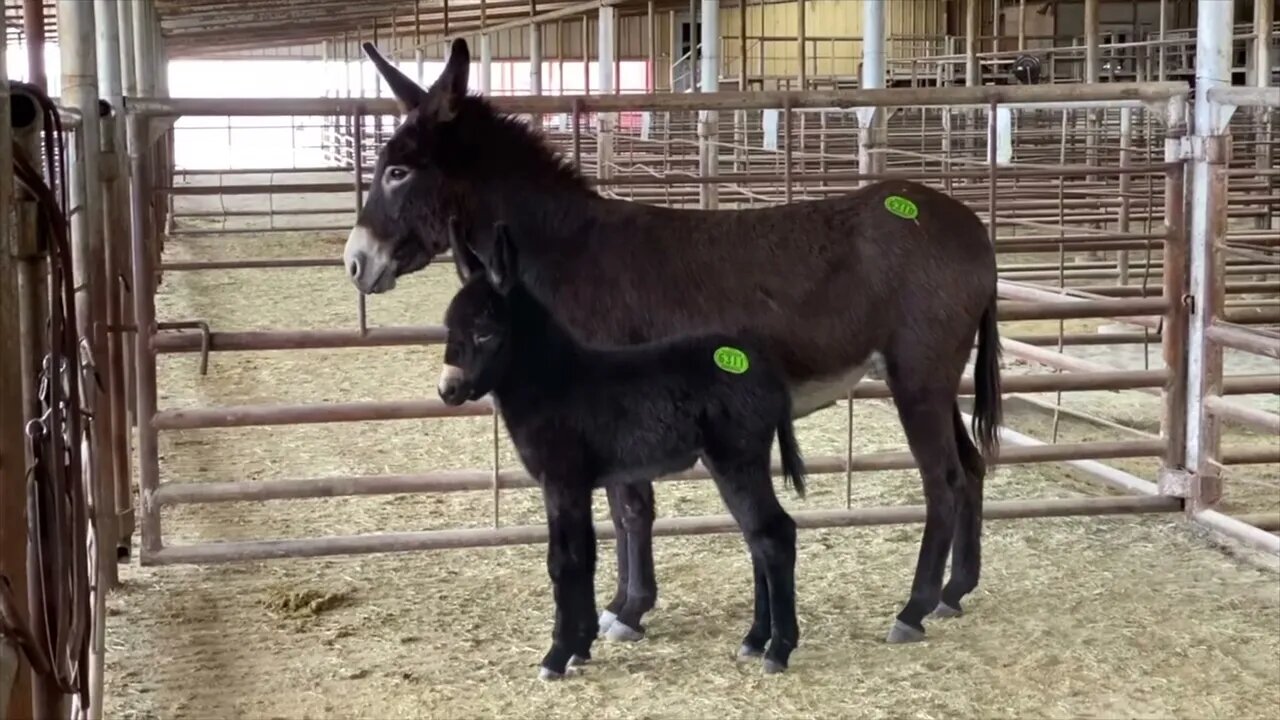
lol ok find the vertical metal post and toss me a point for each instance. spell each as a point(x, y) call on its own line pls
point(709, 120)
point(33, 291)
point(486, 64)
point(606, 26)
point(417, 43)
point(651, 82)
point(1173, 340)
point(111, 415)
point(129, 85)
point(1022, 25)
point(535, 58)
point(486, 52)
point(1160, 46)
point(871, 124)
point(77, 42)
point(971, 43)
point(1126, 159)
point(802, 43)
point(33, 31)
point(1211, 154)
point(15, 681)
point(143, 235)
point(694, 41)
point(1263, 17)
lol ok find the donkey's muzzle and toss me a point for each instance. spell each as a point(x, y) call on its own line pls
point(452, 389)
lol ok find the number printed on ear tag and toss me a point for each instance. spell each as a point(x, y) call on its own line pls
point(731, 360)
point(901, 207)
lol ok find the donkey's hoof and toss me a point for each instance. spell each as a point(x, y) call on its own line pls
point(746, 652)
point(621, 632)
point(607, 619)
point(578, 661)
point(773, 667)
point(946, 611)
point(546, 674)
point(903, 633)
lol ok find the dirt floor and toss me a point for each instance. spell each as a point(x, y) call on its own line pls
point(1076, 617)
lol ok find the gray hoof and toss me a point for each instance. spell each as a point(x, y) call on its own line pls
point(547, 674)
point(746, 652)
point(946, 611)
point(773, 667)
point(578, 661)
point(621, 632)
point(607, 619)
point(903, 633)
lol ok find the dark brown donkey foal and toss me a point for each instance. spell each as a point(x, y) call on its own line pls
point(895, 270)
point(583, 418)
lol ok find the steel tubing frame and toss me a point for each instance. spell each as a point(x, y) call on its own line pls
point(1168, 98)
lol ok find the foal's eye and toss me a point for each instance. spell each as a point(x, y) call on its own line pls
point(397, 173)
point(482, 338)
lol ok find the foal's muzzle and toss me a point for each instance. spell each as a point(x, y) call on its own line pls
point(452, 388)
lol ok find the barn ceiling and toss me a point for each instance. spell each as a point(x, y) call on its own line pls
point(198, 26)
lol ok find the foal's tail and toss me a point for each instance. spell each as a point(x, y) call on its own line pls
point(987, 411)
point(792, 464)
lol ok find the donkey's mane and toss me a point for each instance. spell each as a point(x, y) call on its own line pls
point(516, 147)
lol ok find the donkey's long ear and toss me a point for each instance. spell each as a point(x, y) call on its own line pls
point(448, 90)
point(408, 93)
point(501, 267)
point(465, 260)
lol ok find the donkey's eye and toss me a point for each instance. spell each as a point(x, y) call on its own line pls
point(482, 338)
point(397, 173)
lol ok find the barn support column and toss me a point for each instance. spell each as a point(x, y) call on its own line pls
point(143, 237)
point(486, 63)
point(606, 26)
point(709, 120)
point(740, 116)
point(871, 121)
point(1092, 72)
point(1210, 155)
point(972, 76)
point(15, 679)
point(111, 416)
point(1263, 17)
point(77, 42)
point(535, 58)
point(116, 222)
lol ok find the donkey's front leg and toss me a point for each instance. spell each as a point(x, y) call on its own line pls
point(571, 563)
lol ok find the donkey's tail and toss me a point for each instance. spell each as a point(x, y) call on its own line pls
point(987, 411)
point(792, 464)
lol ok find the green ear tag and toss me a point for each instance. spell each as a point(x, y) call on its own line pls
point(901, 207)
point(732, 360)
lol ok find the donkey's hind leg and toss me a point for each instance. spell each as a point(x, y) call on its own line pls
point(966, 548)
point(611, 610)
point(636, 507)
point(925, 410)
point(747, 489)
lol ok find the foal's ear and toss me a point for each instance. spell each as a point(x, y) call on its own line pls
point(446, 93)
point(501, 267)
point(465, 260)
point(409, 95)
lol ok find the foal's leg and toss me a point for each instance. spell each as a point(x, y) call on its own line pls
point(642, 588)
point(747, 490)
point(571, 563)
point(925, 411)
point(620, 547)
point(966, 547)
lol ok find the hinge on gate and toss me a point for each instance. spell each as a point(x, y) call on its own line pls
point(1198, 490)
point(1213, 149)
point(1185, 151)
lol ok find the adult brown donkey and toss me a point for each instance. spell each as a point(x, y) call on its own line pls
point(895, 269)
